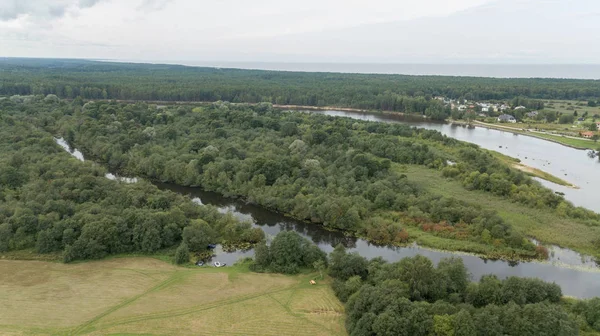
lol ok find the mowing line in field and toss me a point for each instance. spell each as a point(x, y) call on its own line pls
point(82, 328)
point(300, 315)
point(199, 308)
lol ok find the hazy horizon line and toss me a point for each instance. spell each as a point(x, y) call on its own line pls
point(581, 71)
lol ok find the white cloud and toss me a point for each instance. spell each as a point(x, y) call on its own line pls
point(188, 28)
point(40, 9)
point(267, 30)
point(152, 5)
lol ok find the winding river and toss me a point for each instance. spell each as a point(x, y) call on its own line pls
point(570, 164)
point(579, 276)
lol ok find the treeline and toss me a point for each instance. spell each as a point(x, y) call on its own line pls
point(410, 94)
point(531, 104)
point(288, 253)
point(337, 172)
point(479, 170)
point(53, 203)
point(414, 297)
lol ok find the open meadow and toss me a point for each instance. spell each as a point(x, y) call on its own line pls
point(150, 297)
point(531, 222)
point(571, 106)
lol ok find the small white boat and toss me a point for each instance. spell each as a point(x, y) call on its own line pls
point(218, 264)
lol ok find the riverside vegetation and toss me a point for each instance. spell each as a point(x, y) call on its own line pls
point(413, 297)
point(53, 204)
point(374, 297)
point(361, 177)
point(341, 173)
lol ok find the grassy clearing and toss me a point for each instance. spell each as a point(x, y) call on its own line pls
point(575, 143)
point(579, 143)
point(148, 296)
point(570, 106)
point(538, 223)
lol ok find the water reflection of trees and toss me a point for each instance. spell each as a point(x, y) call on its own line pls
point(314, 232)
point(264, 217)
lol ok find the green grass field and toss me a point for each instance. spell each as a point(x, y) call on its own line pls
point(125, 296)
point(518, 128)
point(561, 132)
point(570, 106)
point(537, 223)
point(577, 143)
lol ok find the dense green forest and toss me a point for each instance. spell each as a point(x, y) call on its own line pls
point(413, 297)
point(52, 203)
point(341, 173)
point(410, 94)
point(338, 172)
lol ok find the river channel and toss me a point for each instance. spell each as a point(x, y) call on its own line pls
point(579, 276)
point(570, 164)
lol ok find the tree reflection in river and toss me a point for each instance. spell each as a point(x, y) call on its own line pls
point(574, 281)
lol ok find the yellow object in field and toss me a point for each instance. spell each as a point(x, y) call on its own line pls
point(313, 282)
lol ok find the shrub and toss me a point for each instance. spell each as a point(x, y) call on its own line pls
point(182, 255)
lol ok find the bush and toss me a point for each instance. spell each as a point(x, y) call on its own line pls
point(346, 265)
point(182, 255)
point(411, 297)
point(288, 253)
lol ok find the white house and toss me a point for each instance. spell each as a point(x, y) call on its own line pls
point(532, 114)
point(506, 118)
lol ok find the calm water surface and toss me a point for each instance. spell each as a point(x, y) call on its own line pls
point(575, 281)
point(580, 279)
point(572, 165)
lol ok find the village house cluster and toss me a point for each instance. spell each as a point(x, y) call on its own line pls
point(590, 134)
point(485, 109)
point(505, 113)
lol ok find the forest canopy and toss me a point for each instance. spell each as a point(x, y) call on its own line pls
point(337, 172)
point(152, 82)
point(415, 297)
point(51, 202)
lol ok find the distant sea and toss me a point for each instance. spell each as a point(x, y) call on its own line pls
point(571, 71)
point(579, 71)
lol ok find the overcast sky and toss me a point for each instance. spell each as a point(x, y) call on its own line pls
point(308, 30)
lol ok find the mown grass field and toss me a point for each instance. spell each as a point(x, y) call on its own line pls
point(147, 296)
point(538, 223)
